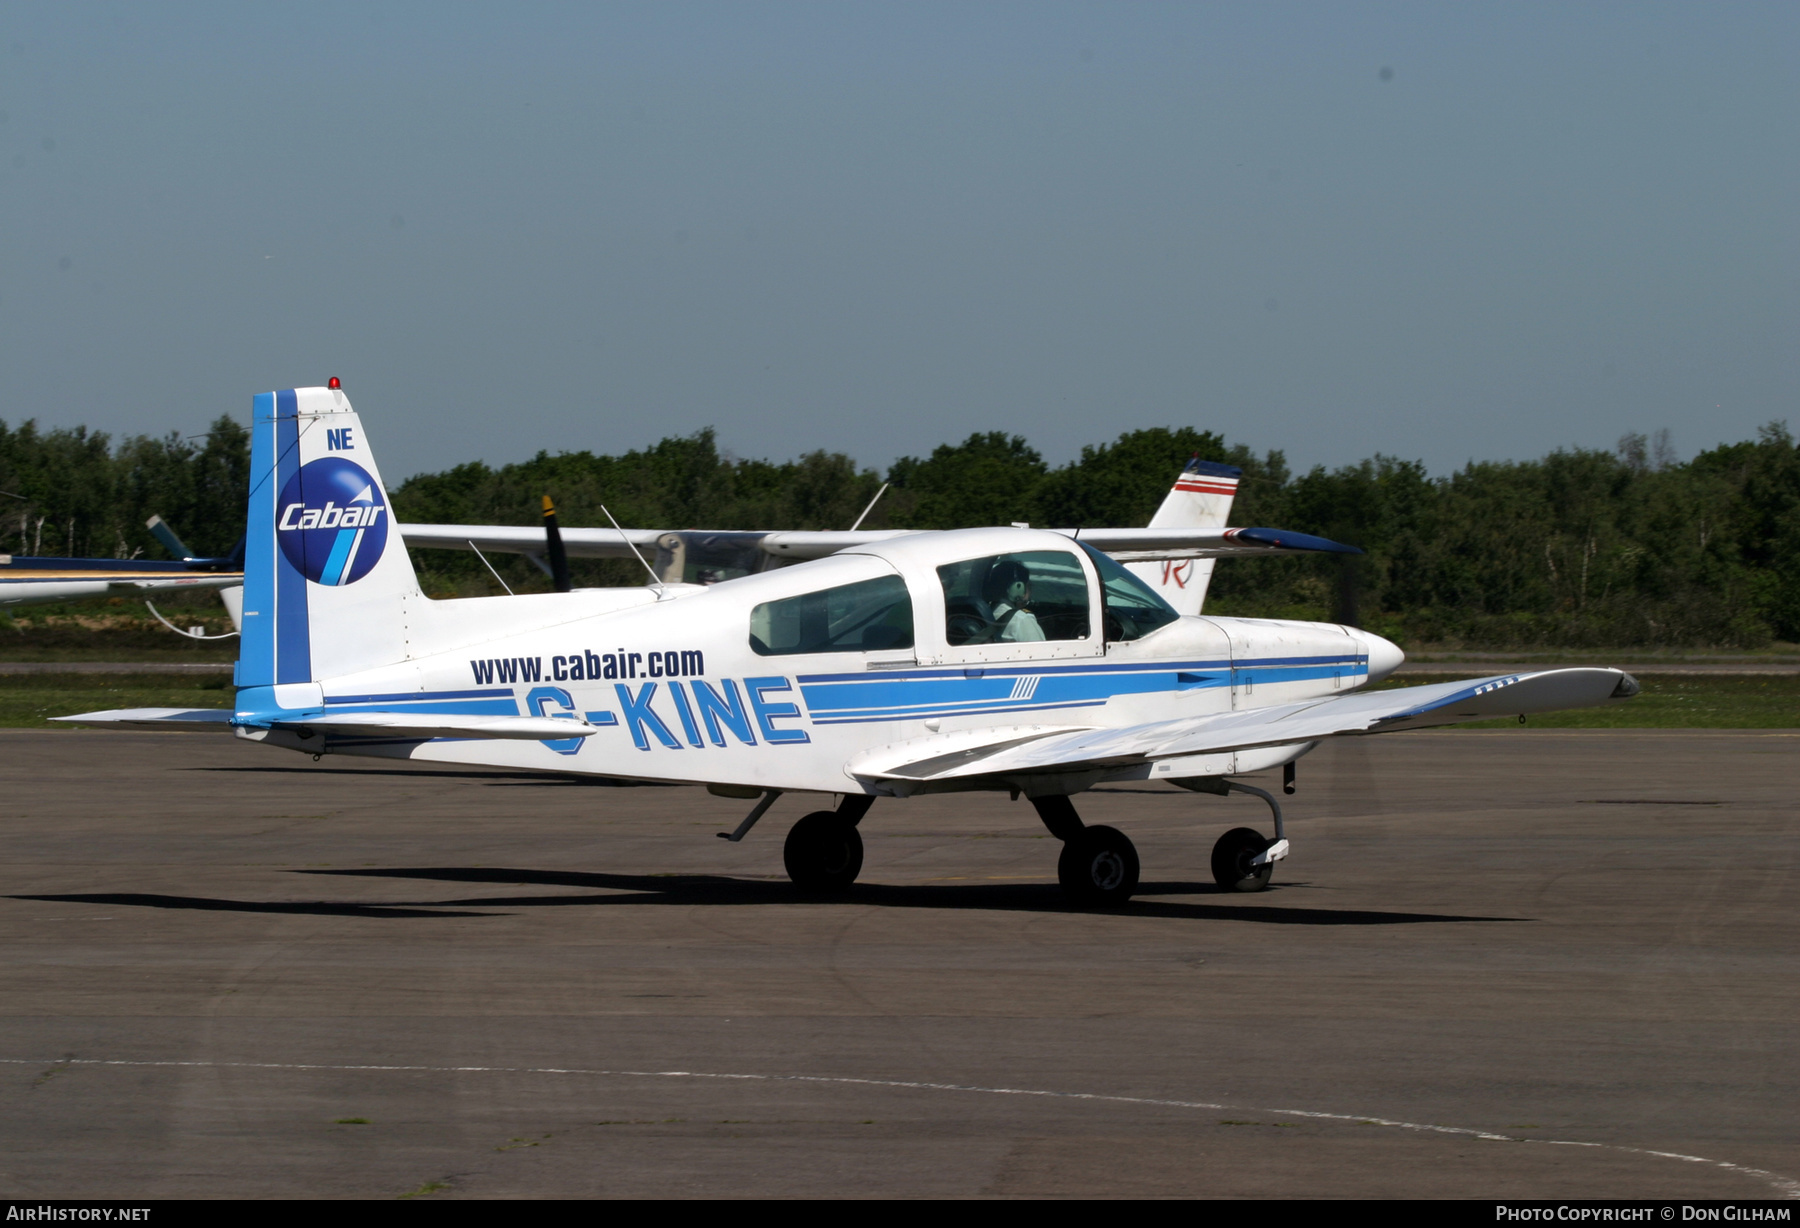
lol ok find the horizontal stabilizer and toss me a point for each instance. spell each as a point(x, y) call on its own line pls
point(349, 724)
point(177, 720)
point(1306, 721)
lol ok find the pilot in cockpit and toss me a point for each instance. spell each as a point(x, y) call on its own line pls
point(1008, 593)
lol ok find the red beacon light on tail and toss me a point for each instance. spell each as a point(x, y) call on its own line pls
point(334, 383)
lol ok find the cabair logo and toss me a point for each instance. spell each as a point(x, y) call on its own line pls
point(332, 524)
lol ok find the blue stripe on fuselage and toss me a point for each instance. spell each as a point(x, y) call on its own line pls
point(464, 707)
point(918, 694)
point(402, 697)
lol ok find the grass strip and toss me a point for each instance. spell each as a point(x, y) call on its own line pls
point(27, 701)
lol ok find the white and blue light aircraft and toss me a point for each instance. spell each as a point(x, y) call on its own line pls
point(882, 664)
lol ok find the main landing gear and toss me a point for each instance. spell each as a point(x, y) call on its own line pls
point(1099, 865)
point(824, 851)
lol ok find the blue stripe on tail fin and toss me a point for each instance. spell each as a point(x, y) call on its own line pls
point(293, 636)
point(256, 644)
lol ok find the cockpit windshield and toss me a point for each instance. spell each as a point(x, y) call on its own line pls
point(1133, 610)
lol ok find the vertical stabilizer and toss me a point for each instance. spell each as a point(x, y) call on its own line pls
point(1200, 499)
point(326, 574)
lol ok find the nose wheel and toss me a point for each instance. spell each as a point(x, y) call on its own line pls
point(1244, 859)
point(1234, 860)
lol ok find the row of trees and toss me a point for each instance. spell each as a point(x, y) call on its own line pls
point(74, 493)
point(1580, 548)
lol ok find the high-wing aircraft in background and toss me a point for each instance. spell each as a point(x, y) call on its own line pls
point(880, 665)
point(1178, 568)
point(29, 580)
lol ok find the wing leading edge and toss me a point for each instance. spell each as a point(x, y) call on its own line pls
point(926, 760)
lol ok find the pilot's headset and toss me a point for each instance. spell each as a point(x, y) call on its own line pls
point(1001, 577)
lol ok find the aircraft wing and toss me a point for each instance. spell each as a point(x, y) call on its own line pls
point(1038, 752)
point(21, 587)
point(529, 539)
point(349, 724)
point(222, 579)
point(1128, 545)
point(1154, 545)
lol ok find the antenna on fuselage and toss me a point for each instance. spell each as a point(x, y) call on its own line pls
point(655, 580)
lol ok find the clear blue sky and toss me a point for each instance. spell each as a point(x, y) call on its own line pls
point(1442, 231)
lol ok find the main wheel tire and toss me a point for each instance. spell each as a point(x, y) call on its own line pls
point(1098, 868)
point(823, 853)
point(1231, 867)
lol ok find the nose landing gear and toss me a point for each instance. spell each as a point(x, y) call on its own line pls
point(1234, 857)
point(1243, 859)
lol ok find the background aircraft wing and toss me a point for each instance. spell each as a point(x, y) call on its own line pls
point(1153, 544)
point(529, 539)
point(937, 759)
point(1130, 545)
point(159, 583)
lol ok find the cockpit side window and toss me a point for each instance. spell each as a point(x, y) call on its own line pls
point(862, 617)
point(1015, 598)
point(1133, 610)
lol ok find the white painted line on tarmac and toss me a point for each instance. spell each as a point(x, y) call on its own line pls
point(1788, 1187)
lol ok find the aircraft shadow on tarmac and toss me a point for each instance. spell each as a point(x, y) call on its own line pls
point(722, 892)
point(614, 890)
point(712, 889)
point(311, 908)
